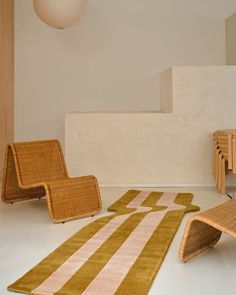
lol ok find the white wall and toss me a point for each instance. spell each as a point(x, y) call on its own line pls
point(157, 148)
point(111, 60)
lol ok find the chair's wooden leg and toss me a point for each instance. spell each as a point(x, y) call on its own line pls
point(230, 159)
point(219, 171)
point(218, 176)
point(216, 167)
point(213, 159)
point(222, 190)
point(234, 153)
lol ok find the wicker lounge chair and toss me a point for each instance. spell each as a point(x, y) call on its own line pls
point(204, 230)
point(37, 169)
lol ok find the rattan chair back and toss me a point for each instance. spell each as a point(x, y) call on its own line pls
point(11, 190)
point(39, 161)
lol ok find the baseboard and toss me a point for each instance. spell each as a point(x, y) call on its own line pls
point(145, 185)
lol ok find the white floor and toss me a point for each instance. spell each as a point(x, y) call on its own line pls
point(27, 236)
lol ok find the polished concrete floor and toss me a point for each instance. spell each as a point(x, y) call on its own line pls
point(27, 235)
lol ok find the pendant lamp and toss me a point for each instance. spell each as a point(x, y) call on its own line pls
point(59, 14)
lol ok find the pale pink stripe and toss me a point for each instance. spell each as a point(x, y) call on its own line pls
point(111, 276)
point(59, 277)
point(167, 199)
point(139, 199)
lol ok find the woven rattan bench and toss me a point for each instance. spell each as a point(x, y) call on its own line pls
point(204, 230)
point(37, 169)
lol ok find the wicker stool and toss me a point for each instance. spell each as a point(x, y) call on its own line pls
point(204, 230)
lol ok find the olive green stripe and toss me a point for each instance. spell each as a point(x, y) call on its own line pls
point(120, 204)
point(83, 277)
point(186, 199)
point(142, 273)
point(48, 265)
point(90, 269)
point(87, 273)
point(100, 258)
point(152, 199)
point(37, 275)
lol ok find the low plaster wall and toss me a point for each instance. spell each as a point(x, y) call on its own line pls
point(157, 149)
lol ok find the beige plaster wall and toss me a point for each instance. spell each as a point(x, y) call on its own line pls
point(111, 60)
point(156, 148)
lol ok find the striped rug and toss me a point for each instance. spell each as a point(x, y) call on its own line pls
point(116, 254)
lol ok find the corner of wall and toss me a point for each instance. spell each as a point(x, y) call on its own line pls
point(230, 39)
point(166, 91)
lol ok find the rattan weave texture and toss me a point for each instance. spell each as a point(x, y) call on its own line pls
point(204, 230)
point(36, 169)
point(224, 156)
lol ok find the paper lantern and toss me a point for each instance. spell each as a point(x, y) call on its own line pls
point(59, 14)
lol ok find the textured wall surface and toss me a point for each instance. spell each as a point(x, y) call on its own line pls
point(157, 148)
point(109, 61)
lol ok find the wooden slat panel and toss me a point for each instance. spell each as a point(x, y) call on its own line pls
point(6, 75)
